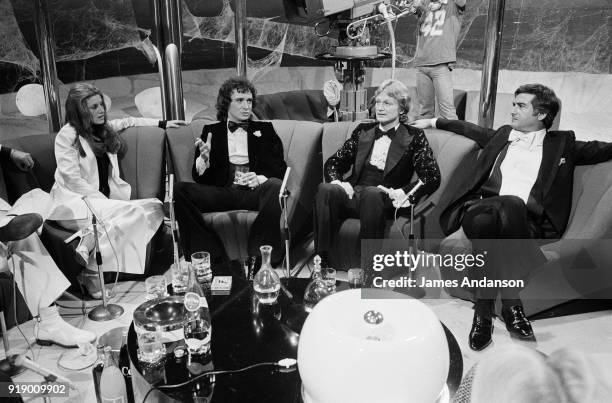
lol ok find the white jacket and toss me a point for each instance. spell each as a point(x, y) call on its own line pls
point(77, 176)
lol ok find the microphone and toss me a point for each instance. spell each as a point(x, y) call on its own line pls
point(50, 376)
point(411, 192)
point(283, 187)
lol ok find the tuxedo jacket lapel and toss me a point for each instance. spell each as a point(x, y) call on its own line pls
point(253, 146)
point(399, 144)
point(552, 149)
point(366, 142)
point(218, 151)
point(489, 156)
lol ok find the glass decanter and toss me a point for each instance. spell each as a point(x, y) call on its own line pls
point(266, 282)
point(317, 289)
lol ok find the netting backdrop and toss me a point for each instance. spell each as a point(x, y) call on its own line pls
point(104, 38)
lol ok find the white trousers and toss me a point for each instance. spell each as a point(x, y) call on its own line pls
point(38, 278)
point(124, 230)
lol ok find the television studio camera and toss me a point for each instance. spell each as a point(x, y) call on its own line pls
point(352, 21)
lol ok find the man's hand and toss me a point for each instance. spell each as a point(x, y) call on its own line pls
point(348, 188)
point(422, 123)
point(204, 147)
point(398, 196)
point(250, 179)
point(23, 160)
point(173, 124)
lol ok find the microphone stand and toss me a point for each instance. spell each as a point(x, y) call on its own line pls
point(282, 199)
point(105, 311)
point(283, 202)
point(412, 241)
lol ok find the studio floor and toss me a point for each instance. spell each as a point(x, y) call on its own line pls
point(590, 333)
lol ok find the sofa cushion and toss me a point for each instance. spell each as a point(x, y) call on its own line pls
point(309, 105)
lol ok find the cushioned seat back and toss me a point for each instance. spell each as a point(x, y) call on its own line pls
point(334, 135)
point(307, 105)
point(449, 150)
point(591, 216)
point(302, 148)
point(143, 166)
point(40, 146)
point(182, 150)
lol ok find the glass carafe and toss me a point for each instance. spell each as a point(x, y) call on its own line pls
point(266, 282)
point(317, 289)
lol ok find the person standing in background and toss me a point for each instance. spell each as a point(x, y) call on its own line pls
point(439, 26)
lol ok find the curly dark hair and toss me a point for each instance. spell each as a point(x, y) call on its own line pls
point(544, 101)
point(241, 85)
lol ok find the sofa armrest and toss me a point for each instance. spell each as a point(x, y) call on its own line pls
point(302, 149)
point(144, 164)
point(181, 149)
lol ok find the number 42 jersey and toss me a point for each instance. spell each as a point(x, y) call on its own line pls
point(438, 33)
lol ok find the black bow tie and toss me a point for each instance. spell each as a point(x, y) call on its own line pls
point(233, 126)
point(379, 133)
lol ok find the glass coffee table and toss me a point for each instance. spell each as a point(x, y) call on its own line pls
point(244, 333)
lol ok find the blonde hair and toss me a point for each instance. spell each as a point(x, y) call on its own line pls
point(522, 375)
point(398, 91)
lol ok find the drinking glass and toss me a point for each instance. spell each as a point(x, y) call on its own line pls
point(239, 172)
point(329, 276)
point(180, 277)
point(355, 278)
point(156, 287)
point(151, 350)
point(201, 263)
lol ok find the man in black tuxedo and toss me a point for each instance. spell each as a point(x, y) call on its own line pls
point(520, 191)
point(234, 144)
point(384, 155)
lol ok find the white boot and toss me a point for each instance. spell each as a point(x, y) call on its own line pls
point(50, 328)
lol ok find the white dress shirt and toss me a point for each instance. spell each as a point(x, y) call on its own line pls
point(521, 164)
point(237, 148)
point(381, 149)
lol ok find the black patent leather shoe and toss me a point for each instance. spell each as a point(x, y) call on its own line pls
point(20, 227)
point(516, 322)
point(481, 332)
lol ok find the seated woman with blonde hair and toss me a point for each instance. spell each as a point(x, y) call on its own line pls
point(86, 150)
point(522, 375)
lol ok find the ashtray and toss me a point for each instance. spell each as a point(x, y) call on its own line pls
point(166, 314)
